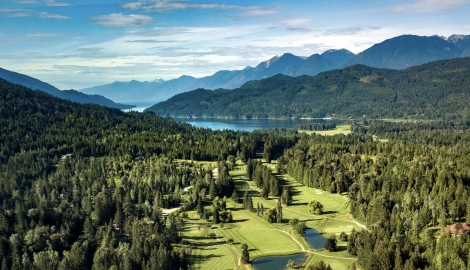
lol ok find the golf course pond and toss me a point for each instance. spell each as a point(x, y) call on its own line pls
point(278, 262)
point(315, 239)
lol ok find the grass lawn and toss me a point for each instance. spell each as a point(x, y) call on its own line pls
point(340, 129)
point(212, 250)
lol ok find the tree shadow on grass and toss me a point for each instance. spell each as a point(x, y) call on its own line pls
point(194, 237)
point(239, 220)
point(281, 181)
point(329, 212)
point(340, 248)
point(299, 203)
point(207, 244)
point(204, 258)
point(294, 192)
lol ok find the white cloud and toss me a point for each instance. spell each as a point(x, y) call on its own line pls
point(51, 3)
point(348, 31)
point(429, 6)
point(46, 15)
point(299, 29)
point(296, 21)
point(56, 4)
point(173, 5)
point(22, 12)
point(120, 20)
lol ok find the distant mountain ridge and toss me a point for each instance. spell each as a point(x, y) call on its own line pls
point(408, 50)
point(72, 95)
point(436, 90)
point(287, 63)
point(396, 53)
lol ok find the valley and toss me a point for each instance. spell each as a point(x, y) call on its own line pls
point(247, 135)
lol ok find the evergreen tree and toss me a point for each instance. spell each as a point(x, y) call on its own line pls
point(279, 212)
point(215, 217)
point(245, 258)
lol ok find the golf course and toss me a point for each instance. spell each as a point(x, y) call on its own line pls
point(218, 246)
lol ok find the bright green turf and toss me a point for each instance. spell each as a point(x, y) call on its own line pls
point(264, 238)
point(340, 129)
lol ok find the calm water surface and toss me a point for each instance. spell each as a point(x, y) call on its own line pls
point(248, 125)
point(278, 262)
point(238, 124)
point(315, 239)
point(140, 105)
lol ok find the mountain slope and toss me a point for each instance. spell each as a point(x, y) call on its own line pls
point(338, 57)
point(405, 51)
point(434, 90)
point(461, 41)
point(396, 53)
point(30, 82)
point(288, 64)
point(314, 65)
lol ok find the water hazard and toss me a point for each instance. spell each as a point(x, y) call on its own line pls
point(315, 239)
point(278, 262)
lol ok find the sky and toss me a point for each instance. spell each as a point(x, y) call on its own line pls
point(78, 44)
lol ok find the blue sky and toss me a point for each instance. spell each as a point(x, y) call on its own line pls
point(77, 44)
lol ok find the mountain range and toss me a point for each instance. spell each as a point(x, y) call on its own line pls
point(72, 95)
point(396, 53)
point(436, 90)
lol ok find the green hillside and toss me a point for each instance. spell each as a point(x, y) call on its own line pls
point(434, 90)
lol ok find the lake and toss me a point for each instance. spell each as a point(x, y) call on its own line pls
point(235, 124)
point(278, 262)
point(140, 105)
point(248, 125)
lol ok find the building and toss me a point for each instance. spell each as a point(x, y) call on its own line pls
point(457, 228)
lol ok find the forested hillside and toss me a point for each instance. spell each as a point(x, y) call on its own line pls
point(434, 90)
point(83, 186)
point(74, 196)
point(406, 190)
point(35, 84)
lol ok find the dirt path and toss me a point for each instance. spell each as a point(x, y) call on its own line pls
point(328, 256)
point(235, 252)
point(293, 238)
point(313, 252)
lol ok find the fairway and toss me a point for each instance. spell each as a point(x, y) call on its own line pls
point(211, 248)
point(340, 129)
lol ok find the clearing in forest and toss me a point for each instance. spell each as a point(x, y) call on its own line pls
point(212, 248)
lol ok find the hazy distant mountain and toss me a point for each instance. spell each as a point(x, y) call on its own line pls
point(405, 51)
point(35, 84)
point(396, 53)
point(123, 91)
point(314, 65)
point(287, 64)
point(461, 41)
point(338, 57)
